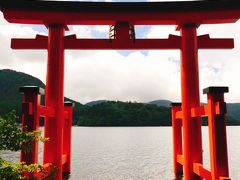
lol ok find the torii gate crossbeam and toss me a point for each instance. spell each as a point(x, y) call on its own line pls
point(141, 13)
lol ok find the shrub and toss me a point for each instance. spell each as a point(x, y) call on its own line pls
point(14, 139)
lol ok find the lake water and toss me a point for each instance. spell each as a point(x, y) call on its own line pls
point(134, 153)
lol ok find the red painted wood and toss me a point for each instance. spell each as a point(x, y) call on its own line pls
point(190, 98)
point(211, 16)
point(67, 137)
point(40, 42)
point(46, 111)
point(217, 137)
point(173, 42)
point(201, 171)
point(180, 159)
point(30, 122)
point(205, 42)
point(53, 149)
point(177, 141)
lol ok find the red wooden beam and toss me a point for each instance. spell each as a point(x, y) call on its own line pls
point(30, 119)
point(173, 42)
point(166, 18)
point(40, 42)
point(177, 139)
point(53, 149)
point(180, 159)
point(67, 136)
point(42, 12)
point(217, 131)
point(46, 111)
point(205, 42)
point(192, 141)
point(201, 171)
point(64, 159)
point(71, 42)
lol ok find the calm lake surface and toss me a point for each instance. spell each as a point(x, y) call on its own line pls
point(134, 153)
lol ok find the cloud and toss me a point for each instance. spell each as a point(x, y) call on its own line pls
point(113, 75)
point(221, 67)
point(109, 75)
point(25, 61)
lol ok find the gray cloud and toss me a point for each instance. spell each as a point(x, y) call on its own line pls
point(92, 75)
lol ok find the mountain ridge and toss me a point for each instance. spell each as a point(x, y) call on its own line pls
point(10, 98)
point(161, 102)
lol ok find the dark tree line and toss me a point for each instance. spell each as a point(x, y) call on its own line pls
point(118, 113)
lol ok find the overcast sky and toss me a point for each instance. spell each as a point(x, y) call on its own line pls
point(140, 76)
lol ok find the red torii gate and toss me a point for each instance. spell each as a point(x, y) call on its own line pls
point(187, 16)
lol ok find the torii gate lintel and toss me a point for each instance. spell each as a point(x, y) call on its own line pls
point(172, 42)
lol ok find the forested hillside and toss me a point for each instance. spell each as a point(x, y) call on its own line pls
point(10, 97)
point(98, 113)
point(118, 113)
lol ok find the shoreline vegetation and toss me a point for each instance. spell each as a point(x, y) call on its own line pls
point(13, 138)
point(99, 113)
point(112, 113)
point(129, 114)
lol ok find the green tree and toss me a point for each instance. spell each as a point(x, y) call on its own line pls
point(116, 113)
point(13, 138)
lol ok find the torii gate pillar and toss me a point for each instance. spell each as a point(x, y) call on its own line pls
point(192, 148)
point(55, 98)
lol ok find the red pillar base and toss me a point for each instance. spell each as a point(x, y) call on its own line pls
point(177, 139)
point(53, 149)
point(192, 136)
point(67, 136)
point(30, 119)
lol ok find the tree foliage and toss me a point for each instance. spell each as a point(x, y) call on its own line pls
point(14, 139)
point(10, 98)
point(112, 113)
point(10, 134)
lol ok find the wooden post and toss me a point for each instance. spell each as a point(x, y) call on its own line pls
point(217, 131)
point(54, 98)
point(30, 119)
point(67, 136)
point(190, 98)
point(177, 139)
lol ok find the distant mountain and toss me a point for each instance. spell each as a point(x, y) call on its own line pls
point(233, 110)
point(101, 112)
point(10, 98)
point(10, 81)
point(117, 113)
point(164, 103)
point(92, 103)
